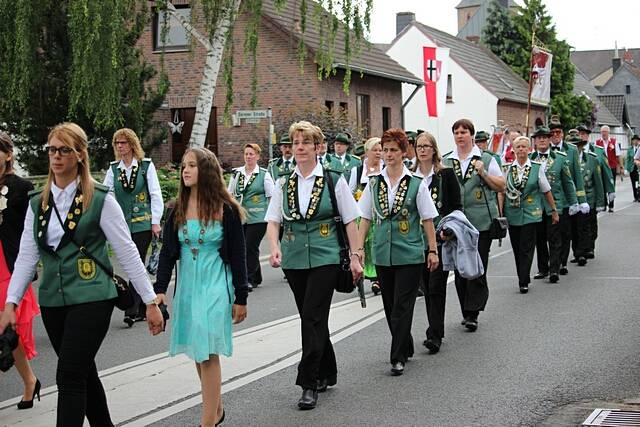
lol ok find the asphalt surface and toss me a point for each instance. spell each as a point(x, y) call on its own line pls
point(532, 355)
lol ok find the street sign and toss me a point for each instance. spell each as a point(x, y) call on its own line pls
point(251, 114)
point(252, 120)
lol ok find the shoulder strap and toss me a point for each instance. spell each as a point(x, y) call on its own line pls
point(336, 214)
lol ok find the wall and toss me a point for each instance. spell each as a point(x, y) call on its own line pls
point(514, 114)
point(617, 84)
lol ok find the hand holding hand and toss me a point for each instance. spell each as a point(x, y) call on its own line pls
point(154, 319)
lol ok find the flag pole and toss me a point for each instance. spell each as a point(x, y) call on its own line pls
point(533, 38)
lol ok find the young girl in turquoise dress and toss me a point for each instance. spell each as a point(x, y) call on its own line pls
point(204, 232)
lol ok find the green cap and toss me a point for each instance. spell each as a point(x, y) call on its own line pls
point(284, 139)
point(541, 131)
point(358, 150)
point(583, 128)
point(575, 139)
point(554, 122)
point(342, 138)
point(411, 136)
point(482, 135)
point(634, 137)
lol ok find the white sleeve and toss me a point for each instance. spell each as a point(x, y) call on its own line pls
point(26, 263)
point(637, 155)
point(108, 179)
point(232, 183)
point(153, 185)
point(268, 185)
point(115, 229)
point(618, 149)
point(353, 180)
point(347, 205)
point(494, 168)
point(366, 203)
point(426, 208)
point(274, 211)
point(543, 182)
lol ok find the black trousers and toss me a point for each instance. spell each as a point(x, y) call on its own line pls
point(313, 290)
point(592, 223)
point(474, 294)
point(435, 297)
point(566, 224)
point(399, 289)
point(581, 233)
point(523, 243)
point(614, 172)
point(76, 333)
point(633, 175)
point(549, 244)
point(142, 240)
point(253, 234)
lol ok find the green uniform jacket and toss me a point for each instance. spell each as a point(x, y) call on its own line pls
point(559, 176)
point(252, 196)
point(69, 278)
point(277, 167)
point(495, 156)
point(308, 241)
point(629, 164)
point(592, 175)
point(473, 191)
point(527, 208)
point(133, 197)
point(350, 161)
point(607, 176)
point(574, 167)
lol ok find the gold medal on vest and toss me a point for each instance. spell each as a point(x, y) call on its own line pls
point(478, 194)
point(324, 230)
point(403, 226)
point(530, 200)
point(86, 268)
point(141, 197)
point(255, 198)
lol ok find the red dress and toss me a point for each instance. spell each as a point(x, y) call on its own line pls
point(25, 312)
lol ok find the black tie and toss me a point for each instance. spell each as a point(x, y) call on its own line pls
point(287, 163)
point(554, 148)
point(543, 156)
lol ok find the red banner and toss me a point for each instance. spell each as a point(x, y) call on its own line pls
point(432, 70)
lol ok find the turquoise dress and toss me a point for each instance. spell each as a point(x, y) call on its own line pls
point(201, 318)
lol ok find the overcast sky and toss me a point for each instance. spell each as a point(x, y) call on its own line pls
point(585, 24)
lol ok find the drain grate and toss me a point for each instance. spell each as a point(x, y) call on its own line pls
point(613, 418)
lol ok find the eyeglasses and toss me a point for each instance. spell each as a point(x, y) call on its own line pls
point(121, 142)
point(64, 151)
point(423, 147)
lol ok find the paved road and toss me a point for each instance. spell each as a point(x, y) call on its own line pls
point(562, 343)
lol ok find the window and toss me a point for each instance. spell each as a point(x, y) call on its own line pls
point(329, 105)
point(449, 88)
point(177, 36)
point(386, 118)
point(627, 89)
point(363, 114)
point(344, 107)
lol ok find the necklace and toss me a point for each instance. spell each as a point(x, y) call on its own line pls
point(187, 241)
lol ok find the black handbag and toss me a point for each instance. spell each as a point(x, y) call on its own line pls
point(345, 282)
point(499, 224)
point(124, 300)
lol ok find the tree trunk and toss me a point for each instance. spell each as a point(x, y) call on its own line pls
point(215, 49)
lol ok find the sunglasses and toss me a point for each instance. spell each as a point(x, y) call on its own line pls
point(64, 151)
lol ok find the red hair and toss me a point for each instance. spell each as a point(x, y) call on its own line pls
point(396, 135)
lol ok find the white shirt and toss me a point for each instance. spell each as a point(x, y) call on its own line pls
point(616, 145)
point(353, 178)
point(429, 177)
point(636, 156)
point(153, 186)
point(492, 169)
point(341, 158)
point(114, 227)
point(347, 206)
point(544, 162)
point(268, 180)
point(543, 182)
point(426, 208)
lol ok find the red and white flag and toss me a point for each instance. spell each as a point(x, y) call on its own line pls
point(540, 75)
point(435, 61)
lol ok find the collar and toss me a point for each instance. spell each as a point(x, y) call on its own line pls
point(527, 163)
point(317, 171)
point(546, 153)
point(419, 174)
point(559, 145)
point(475, 151)
point(405, 172)
point(68, 190)
point(121, 165)
point(243, 169)
point(587, 148)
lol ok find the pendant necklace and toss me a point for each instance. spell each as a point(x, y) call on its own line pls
point(187, 241)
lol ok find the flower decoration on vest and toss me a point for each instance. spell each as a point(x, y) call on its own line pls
point(3, 200)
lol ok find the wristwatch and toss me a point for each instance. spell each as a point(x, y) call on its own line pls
point(154, 301)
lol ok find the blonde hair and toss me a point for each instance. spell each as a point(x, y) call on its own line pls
point(254, 147)
point(132, 139)
point(437, 158)
point(522, 138)
point(371, 142)
point(307, 130)
point(72, 136)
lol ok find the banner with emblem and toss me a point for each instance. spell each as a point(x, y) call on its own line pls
point(540, 75)
point(435, 67)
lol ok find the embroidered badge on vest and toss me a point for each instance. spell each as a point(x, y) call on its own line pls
point(86, 268)
point(324, 230)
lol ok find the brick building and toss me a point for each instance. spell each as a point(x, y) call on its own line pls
point(374, 101)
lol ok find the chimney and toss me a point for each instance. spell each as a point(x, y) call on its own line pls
point(403, 19)
point(616, 61)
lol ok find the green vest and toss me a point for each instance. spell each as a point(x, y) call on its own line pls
point(574, 167)
point(134, 198)
point(592, 176)
point(398, 237)
point(350, 161)
point(559, 176)
point(308, 241)
point(473, 194)
point(527, 208)
point(277, 167)
point(67, 277)
point(629, 163)
point(252, 196)
point(607, 176)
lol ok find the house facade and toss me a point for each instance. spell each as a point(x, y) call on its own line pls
point(626, 81)
point(374, 101)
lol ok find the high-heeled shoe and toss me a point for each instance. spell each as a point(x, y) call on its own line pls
point(27, 404)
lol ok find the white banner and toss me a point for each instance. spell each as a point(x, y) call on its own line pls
point(541, 75)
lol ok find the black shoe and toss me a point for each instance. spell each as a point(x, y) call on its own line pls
point(27, 404)
point(375, 288)
point(610, 210)
point(255, 285)
point(471, 325)
point(563, 270)
point(589, 255)
point(524, 289)
point(463, 321)
point(308, 400)
point(582, 261)
point(128, 320)
point(574, 260)
point(249, 287)
point(326, 382)
point(221, 418)
point(433, 344)
point(540, 275)
point(553, 278)
point(397, 369)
